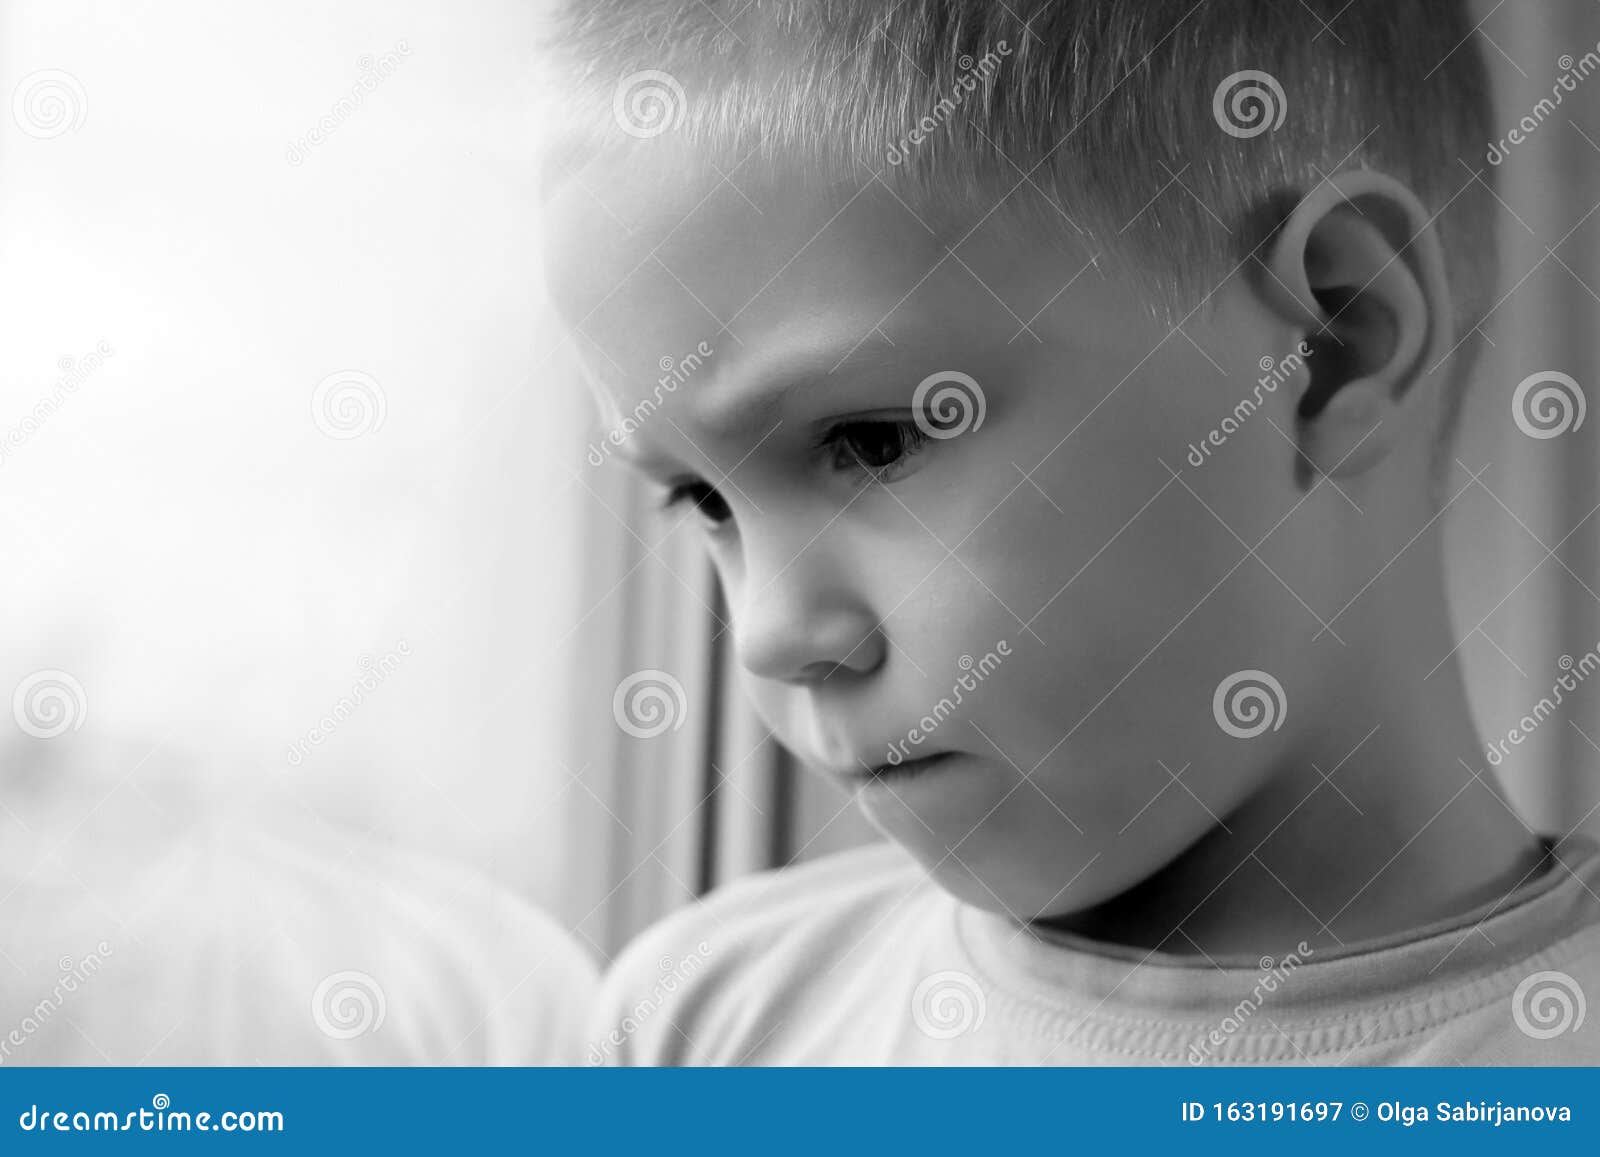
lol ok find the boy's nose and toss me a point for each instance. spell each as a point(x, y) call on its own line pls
point(800, 633)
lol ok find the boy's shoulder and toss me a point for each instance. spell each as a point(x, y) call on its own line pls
point(664, 996)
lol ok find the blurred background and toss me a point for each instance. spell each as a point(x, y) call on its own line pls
point(316, 613)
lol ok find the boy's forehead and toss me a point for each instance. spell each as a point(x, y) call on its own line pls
point(646, 257)
point(723, 244)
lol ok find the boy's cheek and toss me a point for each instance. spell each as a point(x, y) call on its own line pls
point(1099, 560)
point(1128, 658)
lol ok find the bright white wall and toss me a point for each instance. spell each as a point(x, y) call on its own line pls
point(181, 536)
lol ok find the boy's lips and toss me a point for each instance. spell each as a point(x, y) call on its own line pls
point(889, 773)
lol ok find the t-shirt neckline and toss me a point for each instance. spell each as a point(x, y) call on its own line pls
point(1072, 974)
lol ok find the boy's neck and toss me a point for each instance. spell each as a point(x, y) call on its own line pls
point(1384, 820)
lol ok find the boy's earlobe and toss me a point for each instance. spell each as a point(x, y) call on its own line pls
point(1358, 269)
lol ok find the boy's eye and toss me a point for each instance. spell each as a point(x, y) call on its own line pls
point(881, 447)
point(702, 496)
point(878, 448)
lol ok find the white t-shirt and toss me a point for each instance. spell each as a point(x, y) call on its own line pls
point(861, 959)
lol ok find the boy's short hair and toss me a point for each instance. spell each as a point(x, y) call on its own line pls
point(1151, 126)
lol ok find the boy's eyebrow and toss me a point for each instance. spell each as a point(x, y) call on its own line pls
point(749, 397)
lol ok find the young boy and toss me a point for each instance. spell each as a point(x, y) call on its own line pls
point(1071, 432)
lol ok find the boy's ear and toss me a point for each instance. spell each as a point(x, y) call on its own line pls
point(1359, 267)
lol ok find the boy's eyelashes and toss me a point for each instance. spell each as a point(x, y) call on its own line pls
point(879, 446)
point(877, 449)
